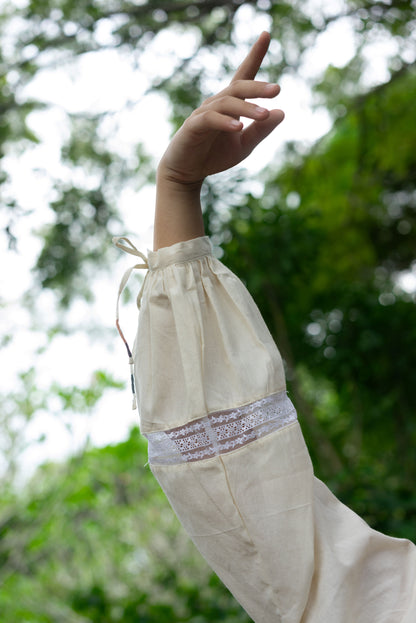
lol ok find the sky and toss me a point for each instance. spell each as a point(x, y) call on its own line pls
point(105, 81)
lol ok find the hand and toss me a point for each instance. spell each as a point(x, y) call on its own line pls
point(212, 139)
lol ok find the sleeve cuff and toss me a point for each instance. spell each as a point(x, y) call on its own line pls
point(180, 252)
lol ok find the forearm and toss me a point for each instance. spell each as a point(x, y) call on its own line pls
point(178, 213)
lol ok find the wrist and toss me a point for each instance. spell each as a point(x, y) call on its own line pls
point(176, 181)
point(178, 209)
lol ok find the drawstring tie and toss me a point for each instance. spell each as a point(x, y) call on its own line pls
point(125, 245)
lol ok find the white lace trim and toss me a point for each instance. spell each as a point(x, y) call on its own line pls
point(221, 431)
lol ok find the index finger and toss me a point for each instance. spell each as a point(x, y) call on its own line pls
point(251, 64)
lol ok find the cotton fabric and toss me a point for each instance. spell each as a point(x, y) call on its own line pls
point(284, 545)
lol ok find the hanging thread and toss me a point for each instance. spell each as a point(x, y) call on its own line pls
point(125, 245)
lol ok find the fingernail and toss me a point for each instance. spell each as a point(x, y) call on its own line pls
point(271, 87)
point(261, 110)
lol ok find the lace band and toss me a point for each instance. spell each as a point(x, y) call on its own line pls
point(221, 432)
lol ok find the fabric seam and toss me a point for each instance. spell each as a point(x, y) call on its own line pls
point(184, 261)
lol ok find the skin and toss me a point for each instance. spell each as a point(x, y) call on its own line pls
point(211, 140)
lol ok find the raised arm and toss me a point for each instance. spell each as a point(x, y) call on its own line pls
point(211, 140)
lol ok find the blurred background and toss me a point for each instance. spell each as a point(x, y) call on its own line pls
point(320, 223)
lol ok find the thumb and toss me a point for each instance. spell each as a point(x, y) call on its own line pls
point(258, 130)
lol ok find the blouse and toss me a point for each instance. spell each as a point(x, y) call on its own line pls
point(226, 446)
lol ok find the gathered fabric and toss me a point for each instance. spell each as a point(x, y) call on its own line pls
point(227, 449)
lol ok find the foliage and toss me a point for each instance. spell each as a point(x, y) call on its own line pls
point(95, 540)
point(19, 407)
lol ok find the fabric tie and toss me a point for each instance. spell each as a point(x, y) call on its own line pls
point(125, 245)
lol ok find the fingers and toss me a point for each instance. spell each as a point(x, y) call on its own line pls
point(243, 86)
point(258, 130)
point(251, 88)
point(251, 64)
point(244, 89)
point(231, 101)
point(207, 120)
point(231, 104)
point(222, 112)
point(236, 107)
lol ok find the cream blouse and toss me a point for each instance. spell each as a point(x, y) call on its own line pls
point(228, 451)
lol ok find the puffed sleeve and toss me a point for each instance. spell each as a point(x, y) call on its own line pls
point(227, 449)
